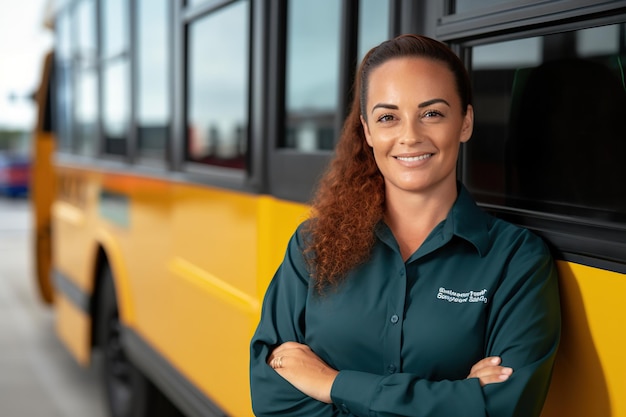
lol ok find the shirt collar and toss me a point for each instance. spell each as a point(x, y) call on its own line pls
point(465, 220)
point(468, 221)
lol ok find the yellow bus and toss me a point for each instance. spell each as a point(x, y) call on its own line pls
point(185, 138)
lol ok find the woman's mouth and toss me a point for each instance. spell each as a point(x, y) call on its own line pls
point(414, 158)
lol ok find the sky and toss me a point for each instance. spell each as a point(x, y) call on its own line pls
point(23, 43)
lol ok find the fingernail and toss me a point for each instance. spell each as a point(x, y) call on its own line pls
point(503, 377)
point(495, 360)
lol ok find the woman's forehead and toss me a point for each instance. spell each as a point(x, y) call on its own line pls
point(401, 75)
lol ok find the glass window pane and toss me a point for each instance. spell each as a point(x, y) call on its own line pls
point(116, 110)
point(373, 24)
point(218, 87)
point(115, 27)
point(115, 75)
point(549, 125)
point(85, 24)
point(63, 79)
point(86, 81)
point(86, 113)
point(153, 98)
point(312, 74)
point(193, 3)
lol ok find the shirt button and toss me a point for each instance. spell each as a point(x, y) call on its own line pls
point(394, 318)
point(391, 369)
point(402, 272)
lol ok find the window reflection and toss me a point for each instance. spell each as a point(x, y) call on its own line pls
point(115, 33)
point(116, 74)
point(86, 113)
point(373, 24)
point(153, 111)
point(218, 87)
point(116, 109)
point(63, 75)
point(86, 104)
point(550, 128)
point(312, 74)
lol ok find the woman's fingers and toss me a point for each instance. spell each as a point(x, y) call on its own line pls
point(301, 367)
point(489, 371)
point(275, 359)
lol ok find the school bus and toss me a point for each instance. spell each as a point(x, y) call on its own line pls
point(186, 137)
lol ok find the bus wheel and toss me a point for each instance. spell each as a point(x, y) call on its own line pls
point(127, 391)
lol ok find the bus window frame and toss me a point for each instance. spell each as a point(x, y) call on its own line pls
point(293, 174)
point(248, 179)
point(515, 15)
point(578, 239)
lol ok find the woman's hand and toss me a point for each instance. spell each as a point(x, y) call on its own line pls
point(303, 369)
point(489, 371)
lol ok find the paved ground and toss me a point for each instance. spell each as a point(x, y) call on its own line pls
point(38, 377)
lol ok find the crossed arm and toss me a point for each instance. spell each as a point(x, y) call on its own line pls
point(303, 369)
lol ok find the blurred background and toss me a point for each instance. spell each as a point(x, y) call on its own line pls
point(23, 41)
point(38, 377)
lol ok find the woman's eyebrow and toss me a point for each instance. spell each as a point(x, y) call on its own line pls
point(433, 101)
point(384, 106)
point(421, 105)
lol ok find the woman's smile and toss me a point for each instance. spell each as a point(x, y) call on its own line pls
point(414, 158)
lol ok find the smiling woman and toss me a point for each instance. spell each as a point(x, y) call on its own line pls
point(415, 127)
point(397, 249)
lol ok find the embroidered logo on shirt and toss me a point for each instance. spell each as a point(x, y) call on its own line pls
point(462, 297)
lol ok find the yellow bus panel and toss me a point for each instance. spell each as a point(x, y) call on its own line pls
point(590, 370)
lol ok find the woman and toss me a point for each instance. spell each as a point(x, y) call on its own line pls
point(400, 296)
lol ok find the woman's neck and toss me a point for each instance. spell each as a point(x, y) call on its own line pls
point(412, 216)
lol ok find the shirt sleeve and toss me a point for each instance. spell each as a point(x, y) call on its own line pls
point(282, 320)
point(524, 329)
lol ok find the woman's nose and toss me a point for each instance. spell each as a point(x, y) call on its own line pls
point(411, 134)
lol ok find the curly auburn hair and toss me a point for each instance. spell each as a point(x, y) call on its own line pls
point(350, 198)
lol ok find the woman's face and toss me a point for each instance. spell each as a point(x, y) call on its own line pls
point(415, 124)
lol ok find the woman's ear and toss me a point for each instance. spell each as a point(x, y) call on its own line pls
point(468, 124)
point(366, 130)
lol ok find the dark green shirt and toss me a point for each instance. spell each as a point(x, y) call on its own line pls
point(404, 335)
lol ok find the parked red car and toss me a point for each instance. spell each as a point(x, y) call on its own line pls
point(14, 174)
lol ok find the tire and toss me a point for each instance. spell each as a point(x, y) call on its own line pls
point(128, 393)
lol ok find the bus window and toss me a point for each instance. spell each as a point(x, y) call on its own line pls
point(115, 72)
point(312, 74)
point(153, 64)
point(217, 92)
point(63, 78)
point(374, 22)
point(86, 104)
point(550, 123)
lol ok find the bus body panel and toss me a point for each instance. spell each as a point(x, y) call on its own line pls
point(190, 263)
point(73, 326)
point(593, 308)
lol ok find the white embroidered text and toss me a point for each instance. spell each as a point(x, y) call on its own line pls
point(462, 297)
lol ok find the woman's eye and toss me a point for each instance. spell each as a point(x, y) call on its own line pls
point(432, 113)
point(385, 118)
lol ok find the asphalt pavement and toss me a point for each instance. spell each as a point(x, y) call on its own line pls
point(38, 377)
